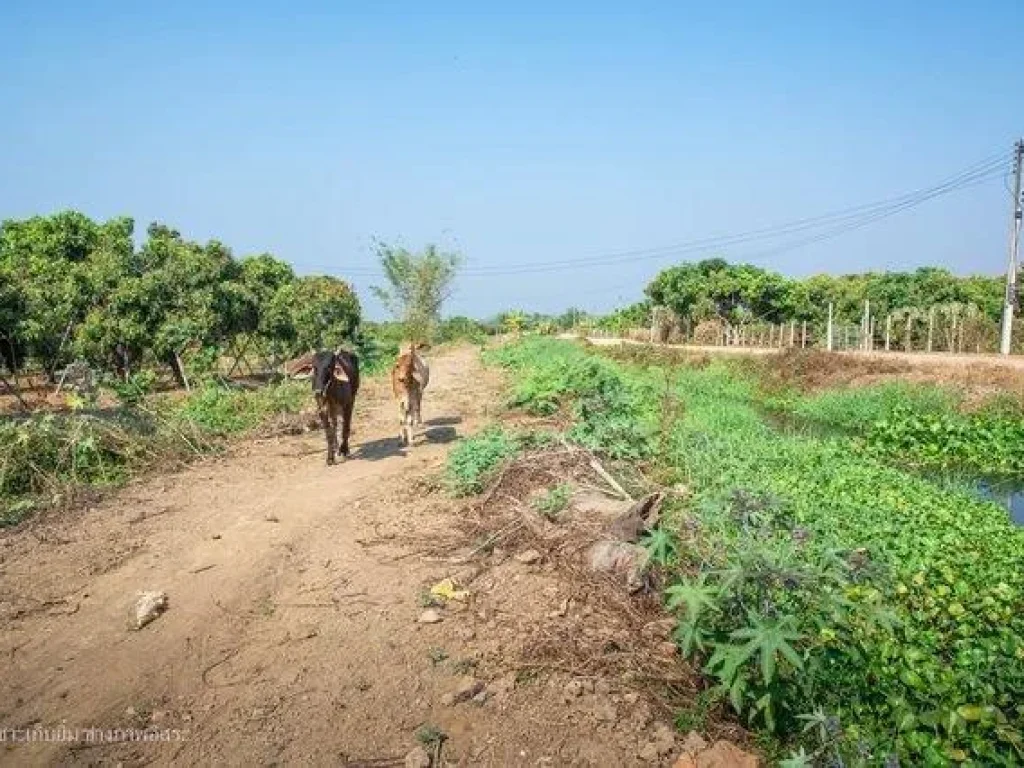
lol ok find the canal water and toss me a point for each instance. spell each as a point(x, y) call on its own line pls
point(1008, 494)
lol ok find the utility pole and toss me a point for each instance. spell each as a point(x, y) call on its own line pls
point(1011, 270)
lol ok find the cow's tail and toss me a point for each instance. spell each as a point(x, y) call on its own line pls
point(355, 372)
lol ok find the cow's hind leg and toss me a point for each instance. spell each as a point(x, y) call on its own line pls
point(346, 423)
point(417, 410)
point(403, 418)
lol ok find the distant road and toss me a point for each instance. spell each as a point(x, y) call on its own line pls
point(913, 358)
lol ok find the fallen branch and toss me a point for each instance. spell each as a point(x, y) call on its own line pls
point(596, 466)
point(490, 541)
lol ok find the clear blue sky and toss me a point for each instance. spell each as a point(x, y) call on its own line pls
point(519, 135)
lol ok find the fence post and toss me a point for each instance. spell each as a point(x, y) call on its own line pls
point(865, 325)
point(909, 344)
point(828, 342)
point(931, 327)
point(888, 330)
point(871, 335)
point(803, 335)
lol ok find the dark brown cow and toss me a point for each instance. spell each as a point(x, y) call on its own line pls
point(335, 377)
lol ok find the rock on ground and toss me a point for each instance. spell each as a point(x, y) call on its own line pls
point(694, 743)
point(148, 607)
point(529, 557)
point(417, 758)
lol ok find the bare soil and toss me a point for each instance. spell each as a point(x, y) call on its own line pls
point(292, 634)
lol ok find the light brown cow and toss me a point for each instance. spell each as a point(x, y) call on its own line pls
point(409, 377)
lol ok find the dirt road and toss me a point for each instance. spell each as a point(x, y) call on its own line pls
point(292, 634)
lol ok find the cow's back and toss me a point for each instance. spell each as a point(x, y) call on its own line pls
point(421, 371)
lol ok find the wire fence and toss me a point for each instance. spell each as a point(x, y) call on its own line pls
point(949, 329)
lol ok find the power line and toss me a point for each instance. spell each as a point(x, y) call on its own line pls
point(849, 227)
point(835, 224)
point(868, 211)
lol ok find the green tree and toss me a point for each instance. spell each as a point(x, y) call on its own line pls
point(176, 295)
point(418, 284)
point(715, 288)
point(12, 310)
point(46, 256)
point(460, 328)
point(314, 313)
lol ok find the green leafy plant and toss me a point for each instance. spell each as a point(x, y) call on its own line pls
point(474, 460)
point(430, 736)
point(661, 546)
point(554, 501)
point(135, 388)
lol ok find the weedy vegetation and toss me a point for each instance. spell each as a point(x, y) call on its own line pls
point(44, 458)
point(853, 610)
point(474, 461)
point(554, 501)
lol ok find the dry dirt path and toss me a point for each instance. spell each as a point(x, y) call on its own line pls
point(292, 635)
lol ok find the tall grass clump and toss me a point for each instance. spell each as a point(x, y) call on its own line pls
point(860, 614)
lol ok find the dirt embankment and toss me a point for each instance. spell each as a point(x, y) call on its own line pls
point(978, 377)
point(293, 633)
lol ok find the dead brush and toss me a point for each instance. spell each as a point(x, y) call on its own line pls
point(566, 643)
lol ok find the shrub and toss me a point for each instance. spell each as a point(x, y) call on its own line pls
point(43, 456)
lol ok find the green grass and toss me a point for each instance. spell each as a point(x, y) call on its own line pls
point(857, 408)
point(850, 608)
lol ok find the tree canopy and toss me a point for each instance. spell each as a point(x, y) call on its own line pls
point(70, 286)
point(714, 288)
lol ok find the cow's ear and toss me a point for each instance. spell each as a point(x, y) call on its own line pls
point(301, 369)
point(339, 372)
